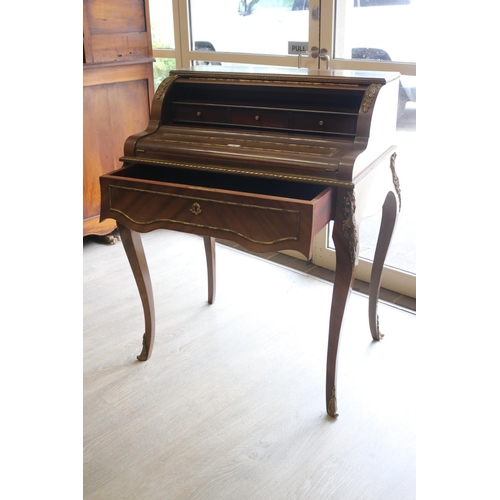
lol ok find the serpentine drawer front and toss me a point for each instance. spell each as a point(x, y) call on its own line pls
point(258, 212)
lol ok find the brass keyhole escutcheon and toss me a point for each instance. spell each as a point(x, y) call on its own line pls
point(321, 122)
point(196, 209)
point(257, 117)
point(198, 113)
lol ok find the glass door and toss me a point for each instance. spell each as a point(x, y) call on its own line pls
point(235, 32)
point(267, 31)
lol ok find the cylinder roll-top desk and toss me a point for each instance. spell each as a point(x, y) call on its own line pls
point(265, 159)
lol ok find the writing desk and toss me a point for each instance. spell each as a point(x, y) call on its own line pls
point(265, 159)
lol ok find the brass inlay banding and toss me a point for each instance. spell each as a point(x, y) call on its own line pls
point(206, 226)
point(226, 170)
point(269, 79)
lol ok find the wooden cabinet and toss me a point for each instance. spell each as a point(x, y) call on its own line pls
point(117, 92)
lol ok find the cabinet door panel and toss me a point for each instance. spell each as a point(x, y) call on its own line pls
point(112, 112)
point(116, 30)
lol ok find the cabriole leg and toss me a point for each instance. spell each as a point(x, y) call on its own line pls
point(135, 253)
point(345, 237)
point(341, 291)
point(210, 254)
point(387, 224)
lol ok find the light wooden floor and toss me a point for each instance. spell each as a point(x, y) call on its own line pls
point(231, 404)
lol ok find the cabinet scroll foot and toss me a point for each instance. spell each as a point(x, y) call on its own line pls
point(106, 239)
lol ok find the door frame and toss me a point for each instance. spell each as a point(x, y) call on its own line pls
point(184, 55)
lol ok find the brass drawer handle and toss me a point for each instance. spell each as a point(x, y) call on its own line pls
point(257, 117)
point(321, 122)
point(198, 113)
point(196, 209)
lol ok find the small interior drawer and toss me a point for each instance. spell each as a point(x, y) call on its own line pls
point(260, 214)
point(269, 118)
point(201, 113)
point(325, 122)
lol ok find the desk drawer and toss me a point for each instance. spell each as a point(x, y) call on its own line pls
point(201, 113)
point(260, 214)
point(269, 118)
point(325, 122)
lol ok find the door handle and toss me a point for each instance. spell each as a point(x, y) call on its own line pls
point(323, 55)
point(314, 53)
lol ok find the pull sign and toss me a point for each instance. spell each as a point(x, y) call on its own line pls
point(297, 47)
